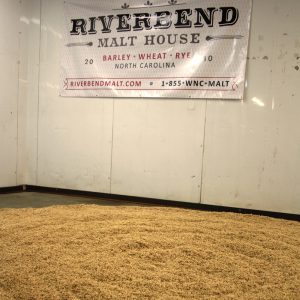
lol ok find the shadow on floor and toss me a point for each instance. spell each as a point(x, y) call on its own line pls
point(39, 200)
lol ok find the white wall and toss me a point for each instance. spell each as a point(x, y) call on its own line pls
point(242, 154)
point(252, 149)
point(9, 57)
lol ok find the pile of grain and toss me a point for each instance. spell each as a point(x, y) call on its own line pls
point(132, 252)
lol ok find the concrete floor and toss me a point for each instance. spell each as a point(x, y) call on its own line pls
point(38, 200)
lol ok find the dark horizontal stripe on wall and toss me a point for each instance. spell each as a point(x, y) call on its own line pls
point(11, 189)
point(197, 206)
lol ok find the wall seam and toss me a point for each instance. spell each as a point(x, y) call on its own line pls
point(18, 96)
point(203, 153)
point(38, 104)
point(112, 145)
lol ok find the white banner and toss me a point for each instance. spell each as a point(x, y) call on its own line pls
point(155, 48)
